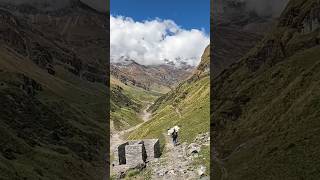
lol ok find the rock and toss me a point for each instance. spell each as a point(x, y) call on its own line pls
point(122, 175)
point(205, 178)
point(161, 172)
point(202, 138)
point(201, 171)
point(140, 166)
point(193, 148)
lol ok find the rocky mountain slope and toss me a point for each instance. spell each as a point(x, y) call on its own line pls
point(235, 30)
point(266, 106)
point(52, 91)
point(160, 78)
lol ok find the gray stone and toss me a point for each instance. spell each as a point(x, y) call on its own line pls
point(120, 155)
point(201, 171)
point(134, 153)
point(193, 148)
point(152, 148)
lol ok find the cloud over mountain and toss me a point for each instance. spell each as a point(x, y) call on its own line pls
point(153, 41)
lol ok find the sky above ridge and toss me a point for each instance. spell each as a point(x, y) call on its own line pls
point(189, 14)
point(151, 32)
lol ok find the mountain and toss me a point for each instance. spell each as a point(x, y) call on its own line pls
point(127, 102)
point(52, 91)
point(235, 30)
point(266, 106)
point(187, 105)
point(134, 86)
point(159, 78)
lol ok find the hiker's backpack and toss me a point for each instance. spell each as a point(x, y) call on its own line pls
point(175, 134)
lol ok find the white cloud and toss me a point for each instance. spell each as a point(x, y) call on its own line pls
point(151, 42)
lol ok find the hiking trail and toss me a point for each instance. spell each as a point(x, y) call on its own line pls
point(174, 163)
point(117, 137)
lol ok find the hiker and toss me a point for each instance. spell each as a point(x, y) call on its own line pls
point(174, 136)
point(173, 132)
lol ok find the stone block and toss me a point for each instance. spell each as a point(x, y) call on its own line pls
point(152, 148)
point(120, 154)
point(135, 154)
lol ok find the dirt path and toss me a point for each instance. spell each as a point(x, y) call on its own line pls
point(178, 112)
point(145, 115)
point(117, 137)
point(176, 109)
point(174, 163)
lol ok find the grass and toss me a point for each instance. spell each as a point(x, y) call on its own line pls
point(202, 159)
point(71, 108)
point(194, 110)
point(139, 175)
point(192, 100)
point(124, 116)
point(278, 125)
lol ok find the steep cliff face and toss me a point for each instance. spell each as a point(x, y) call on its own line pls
point(266, 106)
point(53, 99)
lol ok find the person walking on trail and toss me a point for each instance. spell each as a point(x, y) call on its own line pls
point(174, 136)
point(173, 132)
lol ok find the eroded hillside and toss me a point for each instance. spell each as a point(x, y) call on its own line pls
point(53, 93)
point(266, 106)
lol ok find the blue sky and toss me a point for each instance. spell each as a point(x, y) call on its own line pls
point(189, 14)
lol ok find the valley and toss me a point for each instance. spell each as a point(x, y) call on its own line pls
point(186, 105)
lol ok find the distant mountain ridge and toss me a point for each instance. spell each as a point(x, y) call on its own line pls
point(152, 77)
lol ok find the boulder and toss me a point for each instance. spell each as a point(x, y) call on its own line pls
point(201, 171)
point(193, 148)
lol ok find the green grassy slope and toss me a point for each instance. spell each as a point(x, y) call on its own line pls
point(126, 104)
point(52, 127)
point(190, 99)
point(266, 107)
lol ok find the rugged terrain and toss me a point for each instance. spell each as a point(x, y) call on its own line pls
point(127, 102)
point(161, 78)
point(134, 86)
point(53, 92)
point(235, 30)
point(187, 106)
point(266, 106)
